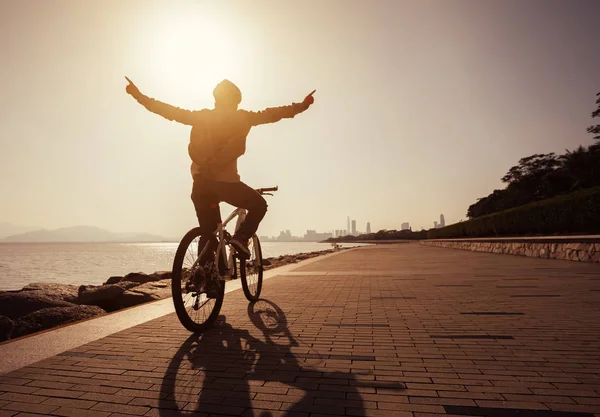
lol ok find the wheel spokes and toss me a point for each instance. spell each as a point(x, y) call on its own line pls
point(252, 268)
point(196, 304)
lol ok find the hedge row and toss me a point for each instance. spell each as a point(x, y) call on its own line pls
point(577, 212)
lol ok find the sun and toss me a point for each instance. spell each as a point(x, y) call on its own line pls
point(200, 49)
point(190, 52)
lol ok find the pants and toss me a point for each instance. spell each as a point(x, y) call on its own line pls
point(206, 196)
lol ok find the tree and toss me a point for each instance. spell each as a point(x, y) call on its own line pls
point(487, 205)
point(556, 182)
point(576, 164)
point(534, 166)
point(595, 129)
point(534, 178)
point(531, 179)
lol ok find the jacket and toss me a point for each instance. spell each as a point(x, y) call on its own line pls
point(218, 136)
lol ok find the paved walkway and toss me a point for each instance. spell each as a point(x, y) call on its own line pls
point(394, 330)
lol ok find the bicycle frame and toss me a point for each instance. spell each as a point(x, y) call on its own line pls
point(220, 235)
point(240, 213)
point(241, 216)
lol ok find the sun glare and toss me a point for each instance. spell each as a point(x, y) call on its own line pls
point(189, 52)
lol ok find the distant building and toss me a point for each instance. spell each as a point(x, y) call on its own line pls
point(405, 226)
point(348, 220)
point(313, 236)
point(354, 227)
point(368, 227)
point(435, 225)
point(286, 236)
point(442, 221)
point(340, 233)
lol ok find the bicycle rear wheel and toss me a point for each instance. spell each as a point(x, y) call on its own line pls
point(195, 310)
point(251, 271)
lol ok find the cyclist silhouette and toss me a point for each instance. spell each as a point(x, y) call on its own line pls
point(217, 140)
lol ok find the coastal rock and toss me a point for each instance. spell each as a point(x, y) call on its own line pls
point(113, 280)
point(140, 277)
point(276, 262)
point(107, 297)
point(51, 317)
point(64, 292)
point(15, 304)
point(6, 327)
point(149, 291)
point(162, 275)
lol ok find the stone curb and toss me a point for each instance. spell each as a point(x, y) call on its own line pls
point(547, 248)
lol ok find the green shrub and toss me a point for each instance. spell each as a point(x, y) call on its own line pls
point(577, 212)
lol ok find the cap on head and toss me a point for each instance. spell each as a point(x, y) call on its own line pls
point(227, 92)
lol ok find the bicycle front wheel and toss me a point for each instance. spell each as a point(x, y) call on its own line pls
point(251, 271)
point(195, 310)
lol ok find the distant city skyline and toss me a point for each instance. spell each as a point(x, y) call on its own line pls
point(312, 235)
point(307, 235)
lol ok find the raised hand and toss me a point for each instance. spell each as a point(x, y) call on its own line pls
point(132, 89)
point(309, 99)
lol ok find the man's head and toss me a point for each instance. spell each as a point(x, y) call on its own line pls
point(227, 94)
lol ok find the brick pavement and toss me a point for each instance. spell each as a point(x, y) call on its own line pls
point(394, 330)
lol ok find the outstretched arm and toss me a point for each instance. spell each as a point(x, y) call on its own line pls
point(236, 146)
point(275, 114)
point(187, 117)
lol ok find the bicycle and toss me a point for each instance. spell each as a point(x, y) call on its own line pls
point(204, 285)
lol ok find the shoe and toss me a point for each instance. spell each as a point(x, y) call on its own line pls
point(241, 248)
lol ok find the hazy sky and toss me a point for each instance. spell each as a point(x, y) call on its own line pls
point(421, 106)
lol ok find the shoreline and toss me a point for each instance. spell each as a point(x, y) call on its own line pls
point(92, 263)
point(41, 306)
point(376, 242)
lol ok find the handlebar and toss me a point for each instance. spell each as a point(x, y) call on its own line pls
point(267, 190)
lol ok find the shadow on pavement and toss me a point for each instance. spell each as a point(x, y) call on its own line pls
point(230, 371)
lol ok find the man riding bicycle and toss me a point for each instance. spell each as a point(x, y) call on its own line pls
point(217, 140)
